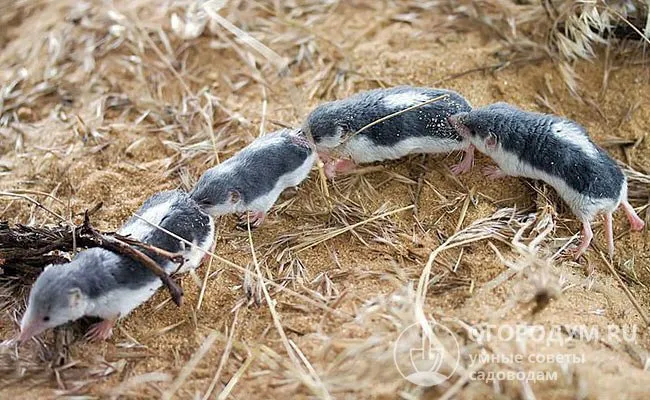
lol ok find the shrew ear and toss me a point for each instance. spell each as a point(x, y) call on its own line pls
point(234, 196)
point(460, 117)
point(74, 297)
point(343, 128)
point(491, 141)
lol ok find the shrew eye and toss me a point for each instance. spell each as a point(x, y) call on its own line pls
point(46, 318)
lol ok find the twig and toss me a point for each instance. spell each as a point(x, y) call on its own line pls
point(124, 249)
point(36, 203)
point(173, 257)
point(49, 196)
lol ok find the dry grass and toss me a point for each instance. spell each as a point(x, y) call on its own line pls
point(111, 102)
point(566, 31)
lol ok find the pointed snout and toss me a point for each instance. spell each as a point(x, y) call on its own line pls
point(29, 330)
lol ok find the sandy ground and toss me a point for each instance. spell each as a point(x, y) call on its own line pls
point(120, 158)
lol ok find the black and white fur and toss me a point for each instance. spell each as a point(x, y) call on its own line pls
point(425, 129)
point(253, 179)
point(100, 283)
point(557, 151)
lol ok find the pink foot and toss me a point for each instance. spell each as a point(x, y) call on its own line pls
point(494, 172)
point(466, 163)
point(636, 223)
point(100, 331)
point(336, 167)
point(256, 219)
point(587, 235)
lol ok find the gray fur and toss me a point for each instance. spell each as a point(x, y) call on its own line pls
point(96, 272)
point(185, 219)
point(359, 110)
point(529, 136)
point(254, 171)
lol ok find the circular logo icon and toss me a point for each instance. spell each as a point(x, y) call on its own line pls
point(426, 359)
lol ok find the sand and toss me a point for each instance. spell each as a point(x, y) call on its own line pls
point(89, 150)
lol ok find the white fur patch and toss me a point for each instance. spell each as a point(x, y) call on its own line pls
point(138, 229)
point(293, 178)
point(568, 131)
point(220, 209)
point(363, 150)
point(584, 207)
point(404, 99)
point(120, 302)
